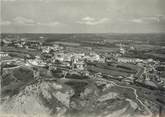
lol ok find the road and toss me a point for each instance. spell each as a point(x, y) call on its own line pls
point(107, 81)
point(135, 93)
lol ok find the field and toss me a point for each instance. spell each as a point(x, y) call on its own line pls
point(20, 52)
point(15, 79)
point(114, 70)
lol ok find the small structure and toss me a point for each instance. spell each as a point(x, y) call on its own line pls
point(80, 65)
point(126, 60)
point(129, 60)
point(92, 57)
point(122, 50)
point(3, 54)
point(37, 62)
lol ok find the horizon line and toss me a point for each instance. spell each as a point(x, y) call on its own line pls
point(81, 33)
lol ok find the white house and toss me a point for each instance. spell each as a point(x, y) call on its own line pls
point(3, 54)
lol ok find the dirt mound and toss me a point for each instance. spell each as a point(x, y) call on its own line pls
point(43, 98)
point(50, 98)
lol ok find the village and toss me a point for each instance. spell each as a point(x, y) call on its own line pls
point(63, 63)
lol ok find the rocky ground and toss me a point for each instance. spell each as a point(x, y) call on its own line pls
point(71, 98)
point(51, 99)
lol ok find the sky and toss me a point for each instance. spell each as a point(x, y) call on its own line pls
point(82, 16)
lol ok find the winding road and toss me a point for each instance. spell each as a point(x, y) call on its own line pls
point(135, 93)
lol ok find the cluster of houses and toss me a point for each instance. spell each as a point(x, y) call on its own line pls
point(135, 60)
point(56, 56)
point(48, 49)
point(22, 43)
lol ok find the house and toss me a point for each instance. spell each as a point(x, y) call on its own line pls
point(68, 57)
point(3, 54)
point(128, 60)
point(80, 65)
point(37, 62)
point(122, 50)
point(6, 41)
point(59, 57)
point(92, 57)
point(45, 49)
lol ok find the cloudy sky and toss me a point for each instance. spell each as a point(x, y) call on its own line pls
point(82, 16)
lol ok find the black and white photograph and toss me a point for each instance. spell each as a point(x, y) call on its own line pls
point(82, 58)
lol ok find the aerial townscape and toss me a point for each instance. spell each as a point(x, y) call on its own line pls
point(98, 75)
